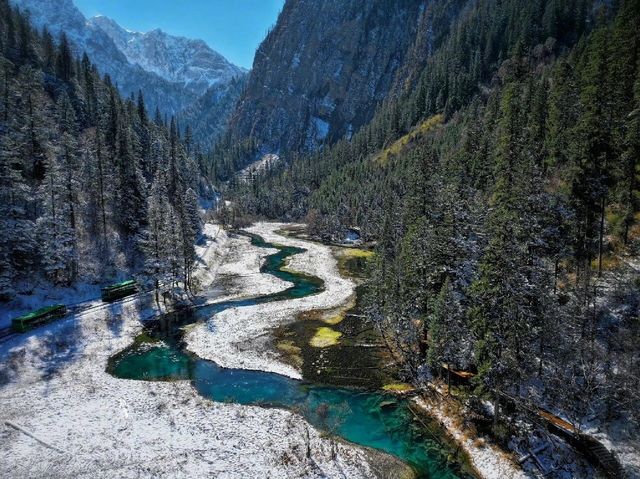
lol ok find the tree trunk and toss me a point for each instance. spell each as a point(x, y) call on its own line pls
point(601, 236)
point(101, 185)
point(540, 353)
point(632, 185)
point(308, 442)
point(6, 97)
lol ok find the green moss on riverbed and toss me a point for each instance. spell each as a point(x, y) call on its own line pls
point(325, 337)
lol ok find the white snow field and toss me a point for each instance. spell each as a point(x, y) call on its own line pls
point(240, 337)
point(53, 384)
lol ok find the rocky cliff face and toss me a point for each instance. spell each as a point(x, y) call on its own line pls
point(320, 73)
point(172, 72)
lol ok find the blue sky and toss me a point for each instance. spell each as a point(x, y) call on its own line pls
point(234, 28)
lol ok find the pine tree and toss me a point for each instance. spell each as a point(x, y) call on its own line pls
point(64, 60)
point(502, 293)
point(130, 188)
point(446, 331)
point(17, 239)
point(157, 118)
point(104, 181)
point(26, 50)
point(631, 163)
point(68, 160)
point(156, 242)
point(58, 250)
point(190, 226)
point(90, 94)
point(594, 154)
point(48, 52)
point(174, 176)
point(12, 194)
point(142, 109)
point(188, 140)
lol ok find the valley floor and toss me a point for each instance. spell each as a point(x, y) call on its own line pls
point(241, 337)
point(53, 384)
point(56, 388)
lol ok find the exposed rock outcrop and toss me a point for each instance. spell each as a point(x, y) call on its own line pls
point(323, 69)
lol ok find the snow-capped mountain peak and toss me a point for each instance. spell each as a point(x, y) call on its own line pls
point(176, 59)
point(172, 72)
point(61, 13)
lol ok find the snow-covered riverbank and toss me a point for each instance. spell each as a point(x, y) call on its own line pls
point(238, 269)
point(240, 337)
point(55, 386)
point(486, 459)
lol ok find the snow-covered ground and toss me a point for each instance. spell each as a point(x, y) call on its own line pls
point(210, 253)
point(621, 437)
point(239, 270)
point(240, 337)
point(489, 461)
point(54, 385)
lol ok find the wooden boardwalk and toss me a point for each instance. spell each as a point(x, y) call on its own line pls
point(557, 422)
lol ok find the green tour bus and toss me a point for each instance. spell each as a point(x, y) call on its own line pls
point(119, 290)
point(26, 322)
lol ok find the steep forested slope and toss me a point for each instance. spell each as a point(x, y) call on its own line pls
point(89, 185)
point(501, 186)
point(208, 117)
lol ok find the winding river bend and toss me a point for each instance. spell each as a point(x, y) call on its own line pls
point(372, 419)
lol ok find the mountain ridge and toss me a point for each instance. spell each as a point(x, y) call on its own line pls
point(174, 58)
point(170, 82)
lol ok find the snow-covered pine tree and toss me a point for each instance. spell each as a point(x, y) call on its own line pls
point(57, 238)
point(156, 240)
point(191, 227)
point(131, 186)
point(446, 331)
point(505, 312)
point(11, 189)
point(175, 253)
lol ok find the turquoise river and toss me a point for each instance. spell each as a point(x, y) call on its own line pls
point(368, 418)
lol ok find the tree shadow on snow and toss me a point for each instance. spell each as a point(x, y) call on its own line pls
point(114, 319)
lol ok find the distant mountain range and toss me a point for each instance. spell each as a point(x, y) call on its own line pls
point(176, 59)
point(174, 73)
